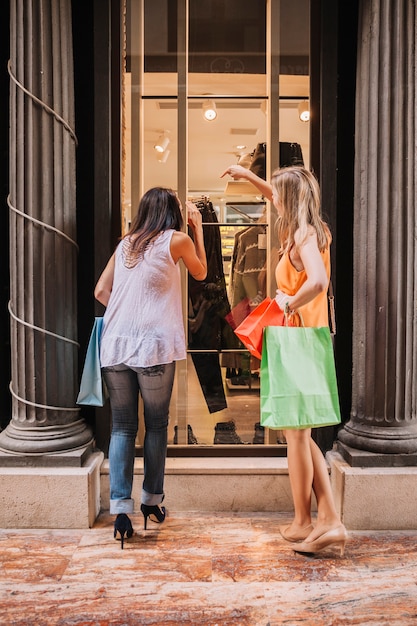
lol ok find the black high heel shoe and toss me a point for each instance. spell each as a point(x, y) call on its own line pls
point(155, 513)
point(122, 527)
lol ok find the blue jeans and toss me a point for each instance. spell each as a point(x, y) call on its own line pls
point(124, 385)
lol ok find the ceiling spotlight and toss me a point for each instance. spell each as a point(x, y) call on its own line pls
point(162, 157)
point(162, 143)
point(209, 110)
point(304, 111)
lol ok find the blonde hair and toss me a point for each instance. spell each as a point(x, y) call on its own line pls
point(298, 192)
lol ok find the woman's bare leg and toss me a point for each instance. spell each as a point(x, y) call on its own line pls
point(301, 473)
point(327, 517)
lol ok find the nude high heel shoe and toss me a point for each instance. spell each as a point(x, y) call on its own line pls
point(334, 537)
point(292, 537)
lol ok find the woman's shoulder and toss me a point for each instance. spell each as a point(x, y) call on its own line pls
point(119, 247)
point(164, 237)
point(303, 236)
point(179, 237)
point(180, 244)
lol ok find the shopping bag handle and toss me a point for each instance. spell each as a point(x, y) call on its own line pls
point(288, 314)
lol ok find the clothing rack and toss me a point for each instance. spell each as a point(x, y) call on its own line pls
point(201, 198)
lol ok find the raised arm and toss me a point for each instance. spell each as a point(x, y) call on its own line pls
point(191, 252)
point(237, 171)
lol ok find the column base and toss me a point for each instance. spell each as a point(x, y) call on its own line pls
point(51, 497)
point(44, 440)
point(380, 439)
point(363, 458)
point(374, 498)
point(67, 458)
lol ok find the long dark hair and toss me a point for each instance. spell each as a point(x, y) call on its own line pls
point(159, 210)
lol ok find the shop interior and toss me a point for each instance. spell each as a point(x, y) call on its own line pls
point(230, 116)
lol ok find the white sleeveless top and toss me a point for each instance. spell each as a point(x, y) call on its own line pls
point(143, 323)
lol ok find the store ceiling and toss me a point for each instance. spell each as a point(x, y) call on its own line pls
point(213, 146)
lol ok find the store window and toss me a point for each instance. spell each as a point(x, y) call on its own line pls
point(205, 85)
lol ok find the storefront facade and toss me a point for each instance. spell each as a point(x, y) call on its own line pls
point(258, 65)
point(145, 72)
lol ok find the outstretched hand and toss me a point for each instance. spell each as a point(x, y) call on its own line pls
point(236, 172)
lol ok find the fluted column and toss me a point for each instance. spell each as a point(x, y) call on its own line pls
point(383, 417)
point(43, 251)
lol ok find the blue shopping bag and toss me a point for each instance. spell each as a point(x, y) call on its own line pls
point(92, 390)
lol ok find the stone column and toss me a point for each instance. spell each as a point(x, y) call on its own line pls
point(383, 418)
point(43, 251)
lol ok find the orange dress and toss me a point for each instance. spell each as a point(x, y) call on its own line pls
point(314, 313)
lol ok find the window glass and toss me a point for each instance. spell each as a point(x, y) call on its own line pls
point(242, 97)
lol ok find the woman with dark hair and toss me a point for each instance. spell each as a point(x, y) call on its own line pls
point(142, 337)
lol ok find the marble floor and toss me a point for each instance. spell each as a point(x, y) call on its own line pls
point(204, 569)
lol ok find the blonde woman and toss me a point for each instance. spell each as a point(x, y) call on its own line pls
point(302, 275)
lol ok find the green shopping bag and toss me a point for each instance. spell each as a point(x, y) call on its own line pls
point(298, 378)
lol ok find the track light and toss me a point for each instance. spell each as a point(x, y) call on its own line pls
point(209, 110)
point(304, 111)
point(162, 143)
point(162, 157)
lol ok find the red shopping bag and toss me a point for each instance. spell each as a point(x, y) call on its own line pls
point(250, 331)
point(238, 313)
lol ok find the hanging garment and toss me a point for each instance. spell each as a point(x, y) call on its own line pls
point(247, 276)
point(209, 302)
point(250, 259)
point(208, 306)
point(232, 275)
